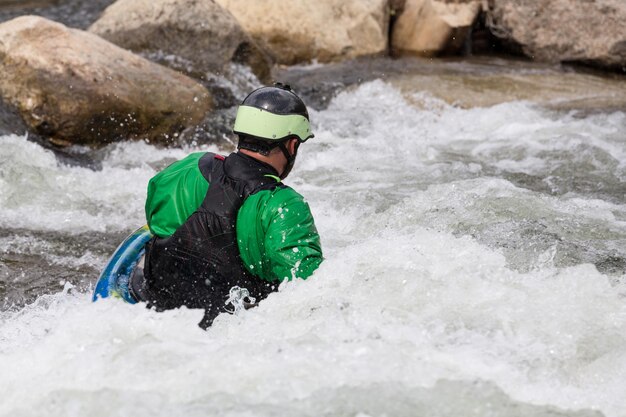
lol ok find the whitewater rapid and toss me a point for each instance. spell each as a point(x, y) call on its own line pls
point(474, 266)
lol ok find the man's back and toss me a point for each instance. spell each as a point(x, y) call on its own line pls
point(220, 223)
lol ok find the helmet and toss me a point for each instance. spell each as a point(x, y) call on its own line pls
point(273, 114)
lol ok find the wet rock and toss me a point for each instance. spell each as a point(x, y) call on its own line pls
point(25, 3)
point(306, 30)
point(200, 36)
point(73, 13)
point(433, 27)
point(588, 32)
point(10, 122)
point(74, 87)
point(48, 261)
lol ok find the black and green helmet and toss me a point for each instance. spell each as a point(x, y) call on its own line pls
point(273, 114)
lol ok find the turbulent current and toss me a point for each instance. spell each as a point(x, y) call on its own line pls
point(475, 245)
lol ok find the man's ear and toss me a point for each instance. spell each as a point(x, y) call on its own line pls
point(291, 146)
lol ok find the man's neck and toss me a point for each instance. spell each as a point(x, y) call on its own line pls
point(273, 159)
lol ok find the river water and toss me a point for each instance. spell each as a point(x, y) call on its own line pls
point(473, 218)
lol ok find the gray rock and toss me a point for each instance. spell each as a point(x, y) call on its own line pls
point(76, 88)
point(77, 14)
point(590, 31)
point(25, 3)
point(306, 30)
point(194, 36)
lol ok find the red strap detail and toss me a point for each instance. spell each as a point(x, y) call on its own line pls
point(219, 157)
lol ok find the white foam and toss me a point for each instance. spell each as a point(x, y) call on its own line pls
point(39, 193)
point(406, 307)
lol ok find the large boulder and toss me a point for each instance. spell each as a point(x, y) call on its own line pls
point(591, 32)
point(433, 27)
point(200, 34)
point(75, 87)
point(304, 30)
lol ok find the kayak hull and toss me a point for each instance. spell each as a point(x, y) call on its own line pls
point(115, 278)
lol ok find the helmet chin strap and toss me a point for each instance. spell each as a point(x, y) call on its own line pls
point(291, 158)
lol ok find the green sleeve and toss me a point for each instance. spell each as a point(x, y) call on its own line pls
point(277, 236)
point(174, 194)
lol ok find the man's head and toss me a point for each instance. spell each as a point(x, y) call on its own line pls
point(271, 123)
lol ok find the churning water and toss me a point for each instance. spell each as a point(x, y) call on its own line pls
point(475, 266)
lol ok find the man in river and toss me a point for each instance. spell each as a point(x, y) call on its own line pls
point(225, 224)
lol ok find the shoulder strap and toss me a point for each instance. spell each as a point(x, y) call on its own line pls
point(206, 162)
point(212, 167)
point(269, 185)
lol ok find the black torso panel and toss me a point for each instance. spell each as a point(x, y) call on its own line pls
point(198, 264)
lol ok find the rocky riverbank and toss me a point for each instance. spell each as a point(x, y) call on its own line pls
point(99, 74)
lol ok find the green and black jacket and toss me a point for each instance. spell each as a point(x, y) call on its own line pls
point(220, 222)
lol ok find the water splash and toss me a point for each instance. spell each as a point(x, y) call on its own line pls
point(239, 298)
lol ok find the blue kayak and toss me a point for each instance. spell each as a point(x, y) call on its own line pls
point(115, 277)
